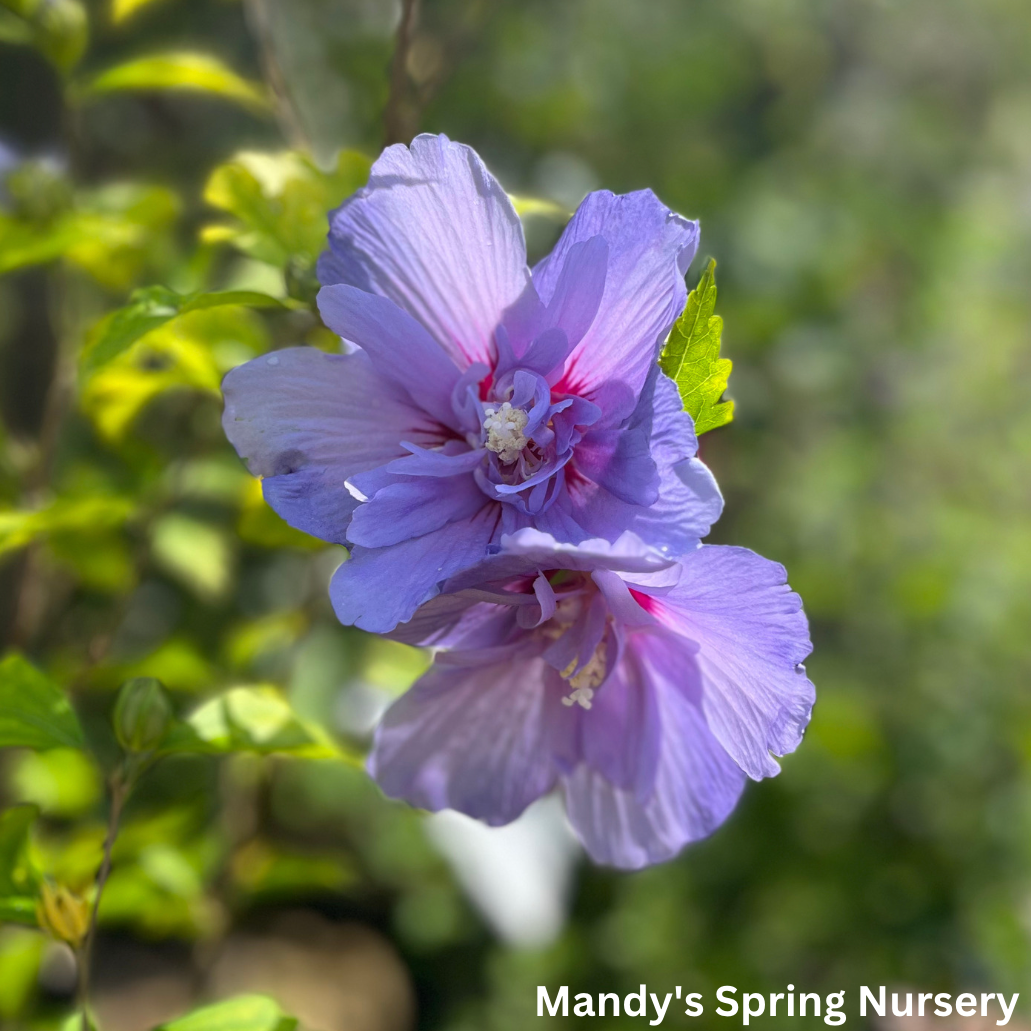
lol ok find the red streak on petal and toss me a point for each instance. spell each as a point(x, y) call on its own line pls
point(646, 601)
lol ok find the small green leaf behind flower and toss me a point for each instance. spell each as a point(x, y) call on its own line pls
point(152, 307)
point(691, 357)
point(34, 711)
point(279, 203)
point(251, 719)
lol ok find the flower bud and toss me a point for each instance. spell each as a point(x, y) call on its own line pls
point(63, 914)
point(142, 714)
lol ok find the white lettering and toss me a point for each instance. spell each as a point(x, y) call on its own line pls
point(543, 999)
point(584, 1008)
point(866, 996)
point(639, 998)
point(1007, 1011)
point(660, 1012)
point(966, 1004)
point(722, 996)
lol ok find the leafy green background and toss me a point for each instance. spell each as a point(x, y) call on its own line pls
point(861, 170)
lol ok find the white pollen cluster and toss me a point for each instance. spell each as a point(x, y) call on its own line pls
point(504, 428)
point(587, 679)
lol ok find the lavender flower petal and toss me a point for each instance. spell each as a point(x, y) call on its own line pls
point(306, 421)
point(378, 588)
point(434, 232)
point(476, 738)
point(649, 250)
point(399, 348)
point(753, 637)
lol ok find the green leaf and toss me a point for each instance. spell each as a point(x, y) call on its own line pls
point(34, 712)
point(109, 232)
point(58, 29)
point(123, 9)
point(21, 952)
point(251, 719)
point(61, 781)
point(87, 516)
point(691, 357)
point(281, 203)
point(528, 207)
point(196, 553)
point(18, 909)
point(179, 71)
point(244, 1013)
point(191, 352)
point(19, 878)
point(151, 307)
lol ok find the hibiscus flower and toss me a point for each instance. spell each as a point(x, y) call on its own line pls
point(479, 397)
point(645, 688)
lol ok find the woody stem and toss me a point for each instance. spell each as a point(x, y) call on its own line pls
point(121, 785)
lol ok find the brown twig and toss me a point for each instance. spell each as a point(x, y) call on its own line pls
point(287, 115)
point(399, 114)
point(121, 785)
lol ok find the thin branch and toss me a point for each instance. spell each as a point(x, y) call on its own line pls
point(121, 786)
point(399, 112)
point(286, 110)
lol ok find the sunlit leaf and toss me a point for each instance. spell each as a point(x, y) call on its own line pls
point(179, 71)
point(197, 554)
point(74, 855)
point(19, 877)
point(151, 307)
point(260, 637)
point(529, 207)
point(23, 244)
point(123, 9)
point(107, 232)
point(261, 868)
point(86, 516)
point(176, 663)
point(691, 357)
point(160, 891)
point(119, 227)
point(18, 909)
point(21, 952)
point(393, 666)
point(14, 29)
point(61, 782)
point(34, 712)
point(244, 1013)
point(185, 353)
point(58, 29)
point(251, 719)
point(281, 202)
point(99, 561)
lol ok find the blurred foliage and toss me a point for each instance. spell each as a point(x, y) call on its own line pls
point(860, 170)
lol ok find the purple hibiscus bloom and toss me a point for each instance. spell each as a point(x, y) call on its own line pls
point(481, 398)
point(646, 688)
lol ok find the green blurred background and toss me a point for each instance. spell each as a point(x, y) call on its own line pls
point(862, 172)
